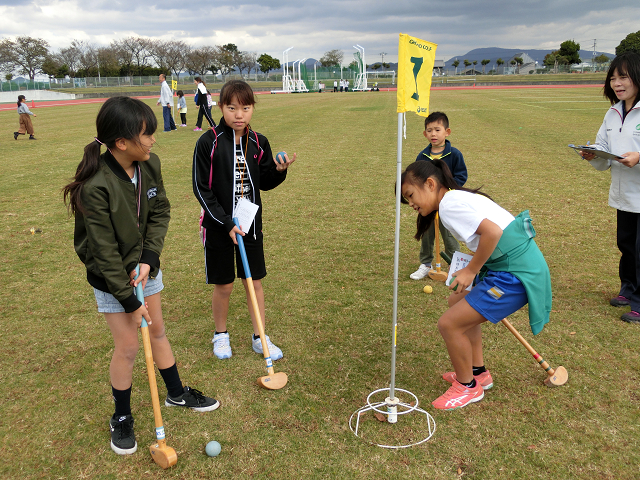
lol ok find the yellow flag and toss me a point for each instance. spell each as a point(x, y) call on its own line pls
point(415, 68)
point(174, 84)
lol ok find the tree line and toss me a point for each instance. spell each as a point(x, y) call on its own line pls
point(131, 56)
point(135, 56)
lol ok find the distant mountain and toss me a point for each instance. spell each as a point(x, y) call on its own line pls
point(493, 53)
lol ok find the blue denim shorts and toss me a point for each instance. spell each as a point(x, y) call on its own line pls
point(497, 296)
point(107, 303)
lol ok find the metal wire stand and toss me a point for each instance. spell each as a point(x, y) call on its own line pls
point(392, 408)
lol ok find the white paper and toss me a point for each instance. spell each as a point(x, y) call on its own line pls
point(458, 262)
point(245, 212)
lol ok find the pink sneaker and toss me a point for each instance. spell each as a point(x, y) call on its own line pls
point(458, 396)
point(483, 379)
point(197, 129)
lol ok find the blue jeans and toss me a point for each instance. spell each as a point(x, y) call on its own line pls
point(169, 124)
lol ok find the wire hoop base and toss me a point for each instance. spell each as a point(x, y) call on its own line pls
point(392, 408)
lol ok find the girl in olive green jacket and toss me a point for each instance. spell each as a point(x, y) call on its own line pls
point(121, 218)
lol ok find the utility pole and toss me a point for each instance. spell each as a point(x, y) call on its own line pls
point(593, 57)
point(382, 54)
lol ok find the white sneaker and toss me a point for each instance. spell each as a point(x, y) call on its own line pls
point(421, 272)
point(274, 352)
point(221, 346)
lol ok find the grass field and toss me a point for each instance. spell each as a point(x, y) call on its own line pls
point(329, 233)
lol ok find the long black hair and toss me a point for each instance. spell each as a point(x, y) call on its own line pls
point(417, 174)
point(119, 117)
point(626, 64)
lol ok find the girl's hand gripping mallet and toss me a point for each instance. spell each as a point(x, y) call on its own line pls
point(273, 381)
point(161, 453)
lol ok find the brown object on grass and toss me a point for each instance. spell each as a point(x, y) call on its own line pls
point(556, 377)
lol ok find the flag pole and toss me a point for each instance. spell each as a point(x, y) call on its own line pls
point(414, 76)
point(396, 262)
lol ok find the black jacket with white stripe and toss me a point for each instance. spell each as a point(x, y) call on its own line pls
point(214, 178)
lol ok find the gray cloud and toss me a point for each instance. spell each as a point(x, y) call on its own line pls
point(315, 27)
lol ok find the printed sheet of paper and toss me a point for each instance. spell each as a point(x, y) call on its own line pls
point(458, 262)
point(245, 212)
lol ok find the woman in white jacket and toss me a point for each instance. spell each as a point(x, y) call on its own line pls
point(620, 135)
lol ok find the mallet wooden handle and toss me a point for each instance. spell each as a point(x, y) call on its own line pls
point(256, 310)
point(550, 371)
point(254, 300)
point(151, 372)
point(436, 227)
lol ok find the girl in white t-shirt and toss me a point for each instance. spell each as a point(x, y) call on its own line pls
point(514, 272)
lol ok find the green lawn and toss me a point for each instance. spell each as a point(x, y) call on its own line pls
point(329, 232)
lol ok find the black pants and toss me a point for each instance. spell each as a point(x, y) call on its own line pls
point(183, 118)
point(629, 246)
point(204, 111)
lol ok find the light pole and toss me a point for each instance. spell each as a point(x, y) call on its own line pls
point(382, 54)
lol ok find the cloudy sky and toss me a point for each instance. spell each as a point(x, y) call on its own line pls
point(314, 27)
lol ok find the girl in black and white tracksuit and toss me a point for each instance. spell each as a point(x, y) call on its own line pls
point(232, 163)
point(620, 135)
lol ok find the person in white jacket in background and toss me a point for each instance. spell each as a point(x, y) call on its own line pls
point(166, 100)
point(620, 135)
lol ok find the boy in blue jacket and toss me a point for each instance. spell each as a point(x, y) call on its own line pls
point(436, 130)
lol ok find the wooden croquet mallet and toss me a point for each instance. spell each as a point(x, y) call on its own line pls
point(438, 275)
point(162, 454)
point(556, 377)
point(272, 381)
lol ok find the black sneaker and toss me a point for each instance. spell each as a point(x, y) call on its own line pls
point(123, 440)
point(193, 399)
point(15, 135)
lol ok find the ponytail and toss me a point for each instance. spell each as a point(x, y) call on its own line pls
point(119, 117)
point(20, 98)
point(88, 167)
point(417, 174)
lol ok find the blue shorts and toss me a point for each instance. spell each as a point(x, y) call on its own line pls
point(497, 296)
point(107, 303)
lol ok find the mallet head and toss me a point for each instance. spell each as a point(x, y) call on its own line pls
point(559, 377)
point(438, 276)
point(163, 455)
point(274, 381)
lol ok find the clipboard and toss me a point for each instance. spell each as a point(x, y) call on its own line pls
point(598, 153)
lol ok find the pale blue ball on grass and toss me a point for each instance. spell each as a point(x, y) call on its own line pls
point(280, 157)
point(213, 449)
